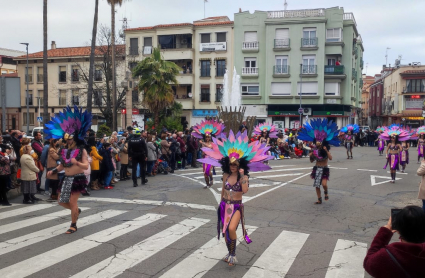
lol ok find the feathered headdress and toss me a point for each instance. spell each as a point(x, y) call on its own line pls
point(380, 129)
point(69, 124)
point(208, 127)
point(353, 128)
point(269, 128)
point(395, 131)
point(420, 130)
point(411, 132)
point(320, 130)
point(237, 148)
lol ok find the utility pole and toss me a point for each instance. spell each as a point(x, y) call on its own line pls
point(386, 56)
point(205, 1)
point(38, 101)
point(285, 6)
point(301, 94)
point(26, 95)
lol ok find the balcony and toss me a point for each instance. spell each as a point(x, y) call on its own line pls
point(250, 47)
point(356, 51)
point(309, 43)
point(147, 50)
point(133, 51)
point(185, 78)
point(281, 71)
point(308, 71)
point(333, 71)
point(170, 42)
point(360, 82)
point(249, 72)
point(187, 103)
point(361, 63)
point(349, 16)
point(282, 45)
point(354, 74)
point(296, 13)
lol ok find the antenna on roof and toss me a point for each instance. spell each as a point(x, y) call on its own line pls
point(285, 6)
point(124, 27)
point(386, 56)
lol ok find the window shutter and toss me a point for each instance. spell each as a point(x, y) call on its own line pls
point(331, 89)
point(147, 41)
point(308, 88)
point(221, 37)
point(133, 43)
point(282, 33)
point(205, 38)
point(251, 36)
point(281, 88)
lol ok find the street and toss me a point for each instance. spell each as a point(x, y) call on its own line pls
point(168, 228)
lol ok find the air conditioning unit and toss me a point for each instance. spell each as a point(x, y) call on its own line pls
point(307, 112)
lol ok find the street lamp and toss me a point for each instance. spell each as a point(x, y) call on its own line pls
point(27, 96)
point(301, 90)
point(38, 101)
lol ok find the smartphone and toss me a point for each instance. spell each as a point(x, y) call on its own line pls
point(394, 212)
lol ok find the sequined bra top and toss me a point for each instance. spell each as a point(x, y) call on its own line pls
point(394, 148)
point(236, 187)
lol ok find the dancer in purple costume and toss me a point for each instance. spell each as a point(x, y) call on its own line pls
point(404, 155)
point(396, 135)
point(381, 142)
point(421, 146)
point(349, 131)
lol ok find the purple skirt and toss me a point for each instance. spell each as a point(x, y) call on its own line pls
point(393, 161)
point(381, 145)
point(221, 213)
point(406, 158)
point(421, 150)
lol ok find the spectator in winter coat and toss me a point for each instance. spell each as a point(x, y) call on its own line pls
point(152, 155)
point(95, 164)
point(182, 144)
point(107, 166)
point(193, 143)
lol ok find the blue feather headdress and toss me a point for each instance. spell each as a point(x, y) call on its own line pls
point(320, 130)
point(353, 128)
point(74, 124)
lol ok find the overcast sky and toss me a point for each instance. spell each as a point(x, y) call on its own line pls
point(381, 23)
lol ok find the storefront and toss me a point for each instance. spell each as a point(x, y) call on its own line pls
point(199, 114)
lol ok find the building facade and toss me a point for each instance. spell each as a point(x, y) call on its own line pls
point(202, 49)
point(10, 92)
point(376, 102)
point(364, 115)
point(315, 55)
point(7, 64)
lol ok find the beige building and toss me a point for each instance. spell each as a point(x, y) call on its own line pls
point(7, 64)
point(203, 49)
point(68, 70)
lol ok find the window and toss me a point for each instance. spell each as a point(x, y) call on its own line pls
point(97, 97)
point(309, 37)
point(250, 62)
point(132, 65)
point(331, 61)
point(29, 76)
point(40, 96)
point(135, 95)
point(308, 88)
point(281, 38)
point(281, 89)
point(221, 37)
point(205, 68)
point(39, 74)
point(415, 85)
point(250, 36)
point(218, 92)
point(147, 48)
point(30, 97)
point(134, 46)
point(62, 97)
point(205, 93)
point(62, 74)
point(221, 67)
point(281, 64)
point(75, 97)
point(205, 38)
point(309, 66)
point(98, 74)
point(331, 89)
point(31, 116)
point(334, 35)
point(250, 89)
point(75, 74)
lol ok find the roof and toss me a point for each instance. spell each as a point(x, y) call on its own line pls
point(209, 21)
point(413, 72)
point(69, 52)
point(11, 52)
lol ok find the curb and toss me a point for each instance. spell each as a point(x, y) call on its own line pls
point(14, 193)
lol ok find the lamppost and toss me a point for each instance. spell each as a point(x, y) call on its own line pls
point(38, 101)
point(301, 90)
point(26, 95)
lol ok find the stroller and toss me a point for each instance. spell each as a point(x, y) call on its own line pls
point(161, 166)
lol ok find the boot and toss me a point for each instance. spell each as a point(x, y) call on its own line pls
point(27, 199)
point(226, 258)
point(135, 183)
point(33, 198)
point(232, 252)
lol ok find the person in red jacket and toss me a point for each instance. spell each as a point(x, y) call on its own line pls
point(400, 259)
point(299, 150)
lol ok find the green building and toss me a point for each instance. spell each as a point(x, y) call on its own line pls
point(317, 52)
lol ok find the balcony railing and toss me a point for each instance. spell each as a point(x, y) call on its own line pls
point(356, 51)
point(349, 16)
point(176, 46)
point(39, 78)
point(281, 43)
point(309, 42)
point(361, 63)
point(281, 69)
point(354, 73)
point(250, 45)
point(309, 69)
point(147, 50)
point(334, 69)
point(218, 96)
point(296, 13)
point(414, 89)
point(133, 51)
point(205, 97)
point(360, 82)
point(29, 78)
point(249, 71)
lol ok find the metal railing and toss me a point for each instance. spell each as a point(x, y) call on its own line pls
point(361, 63)
point(334, 69)
point(29, 78)
point(250, 45)
point(349, 16)
point(281, 69)
point(205, 97)
point(133, 50)
point(309, 69)
point(249, 71)
point(147, 50)
point(281, 43)
point(309, 42)
point(356, 51)
point(296, 13)
point(354, 73)
point(218, 96)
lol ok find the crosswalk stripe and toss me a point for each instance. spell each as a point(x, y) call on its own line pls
point(16, 212)
point(32, 238)
point(347, 260)
point(279, 256)
point(69, 250)
point(13, 206)
point(116, 265)
point(34, 220)
point(203, 259)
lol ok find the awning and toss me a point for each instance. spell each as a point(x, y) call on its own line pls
point(204, 59)
point(411, 113)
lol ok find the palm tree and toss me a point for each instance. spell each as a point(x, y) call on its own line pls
point(92, 51)
point(114, 81)
point(46, 117)
point(156, 76)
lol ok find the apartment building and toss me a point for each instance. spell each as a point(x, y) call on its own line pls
point(202, 49)
point(315, 55)
point(68, 68)
point(364, 115)
point(7, 64)
point(375, 101)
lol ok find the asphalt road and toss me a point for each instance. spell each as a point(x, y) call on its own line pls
point(167, 228)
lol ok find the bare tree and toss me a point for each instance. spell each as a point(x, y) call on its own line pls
point(46, 117)
point(92, 53)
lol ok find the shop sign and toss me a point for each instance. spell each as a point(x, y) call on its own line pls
point(213, 46)
point(144, 111)
point(414, 104)
point(414, 118)
point(204, 113)
point(283, 113)
point(135, 111)
point(331, 100)
point(328, 113)
point(123, 111)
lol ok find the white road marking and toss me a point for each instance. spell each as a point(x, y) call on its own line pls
point(219, 171)
point(149, 202)
point(398, 173)
point(130, 257)
point(347, 260)
point(338, 168)
point(279, 256)
point(202, 260)
point(367, 170)
point(34, 220)
point(71, 249)
point(27, 209)
point(387, 179)
point(13, 206)
point(275, 176)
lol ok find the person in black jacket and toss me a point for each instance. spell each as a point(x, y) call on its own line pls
point(106, 165)
point(138, 152)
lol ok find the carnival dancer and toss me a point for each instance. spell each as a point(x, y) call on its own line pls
point(204, 132)
point(72, 127)
point(323, 134)
point(349, 131)
point(395, 135)
point(404, 155)
point(381, 142)
point(421, 142)
point(266, 131)
point(237, 157)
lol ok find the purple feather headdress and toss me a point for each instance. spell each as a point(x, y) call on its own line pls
point(395, 131)
point(208, 127)
point(269, 128)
